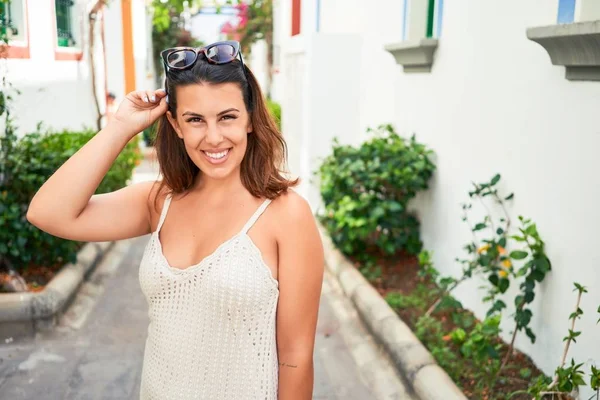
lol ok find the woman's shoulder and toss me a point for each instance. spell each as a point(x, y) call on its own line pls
point(291, 208)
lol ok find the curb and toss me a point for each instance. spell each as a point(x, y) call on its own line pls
point(23, 314)
point(413, 361)
point(374, 365)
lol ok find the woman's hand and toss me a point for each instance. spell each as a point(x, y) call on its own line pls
point(140, 109)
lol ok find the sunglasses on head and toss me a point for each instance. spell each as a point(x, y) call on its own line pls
point(181, 58)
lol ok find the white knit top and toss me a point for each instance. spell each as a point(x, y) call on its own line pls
point(212, 325)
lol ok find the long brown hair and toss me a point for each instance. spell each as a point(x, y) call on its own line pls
point(264, 162)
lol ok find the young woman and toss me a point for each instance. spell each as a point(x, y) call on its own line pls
point(233, 268)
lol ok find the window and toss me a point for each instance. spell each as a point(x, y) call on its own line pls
point(12, 21)
point(570, 11)
point(66, 24)
point(573, 41)
point(566, 11)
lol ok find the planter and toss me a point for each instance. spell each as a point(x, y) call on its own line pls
point(25, 313)
point(412, 360)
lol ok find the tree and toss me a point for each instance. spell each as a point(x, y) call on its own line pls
point(255, 23)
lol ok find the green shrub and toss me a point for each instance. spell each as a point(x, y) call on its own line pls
point(25, 164)
point(275, 110)
point(149, 135)
point(366, 191)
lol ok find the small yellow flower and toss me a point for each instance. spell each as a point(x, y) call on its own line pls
point(506, 263)
point(501, 250)
point(503, 274)
point(483, 249)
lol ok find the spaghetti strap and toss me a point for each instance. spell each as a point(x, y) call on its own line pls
point(163, 213)
point(255, 216)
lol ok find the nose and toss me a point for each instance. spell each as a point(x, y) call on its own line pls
point(213, 135)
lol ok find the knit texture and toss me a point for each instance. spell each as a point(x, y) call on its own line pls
point(212, 325)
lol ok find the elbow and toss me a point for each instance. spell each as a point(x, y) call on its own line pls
point(31, 216)
point(35, 216)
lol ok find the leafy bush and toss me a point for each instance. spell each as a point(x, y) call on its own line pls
point(149, 135)
point(275, 110)
point(25, 165)
point(366, 191)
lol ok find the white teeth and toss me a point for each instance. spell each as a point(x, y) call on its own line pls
point(217, 156)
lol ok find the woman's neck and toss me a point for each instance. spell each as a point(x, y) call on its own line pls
point(219, 189)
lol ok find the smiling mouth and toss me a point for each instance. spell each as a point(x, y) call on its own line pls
point(216, 155)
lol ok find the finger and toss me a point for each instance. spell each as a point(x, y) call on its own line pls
point(160, 109)
point(150, 96)
point(138, 97)
point(160, 93)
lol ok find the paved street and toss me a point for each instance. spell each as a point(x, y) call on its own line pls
point(96, 351)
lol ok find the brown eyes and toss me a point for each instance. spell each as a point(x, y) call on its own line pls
point(223, 118)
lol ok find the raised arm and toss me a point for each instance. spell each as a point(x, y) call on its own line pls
point(65, 205)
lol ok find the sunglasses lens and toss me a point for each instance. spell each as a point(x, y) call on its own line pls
point(221, 53)
point(181, 58)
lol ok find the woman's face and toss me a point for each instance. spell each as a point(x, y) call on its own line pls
point(214, 124)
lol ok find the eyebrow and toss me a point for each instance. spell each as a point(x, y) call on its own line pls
point(193, 114)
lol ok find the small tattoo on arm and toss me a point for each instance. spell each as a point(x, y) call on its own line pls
point(287, 365)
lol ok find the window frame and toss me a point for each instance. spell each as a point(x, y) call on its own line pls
point(19, 48)
point(63, 53)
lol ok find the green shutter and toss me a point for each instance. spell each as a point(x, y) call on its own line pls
point(3, 18)
point(430, 15)
point(7, 29)
point(63, 23)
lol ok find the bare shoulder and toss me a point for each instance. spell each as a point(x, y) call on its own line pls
point(291, 208)
point(292, 217)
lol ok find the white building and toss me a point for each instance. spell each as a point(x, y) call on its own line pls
point(487, 99)
point(49, 59)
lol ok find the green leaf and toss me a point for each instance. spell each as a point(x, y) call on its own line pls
point(530, 334)
point(503, 285)
point(500, 231)
point(518, 254)
point(458, 335)
point(525, 373)
point(510, 196)
point(495, 180)
point(542, 263)
point(479, 227)
point(529, 296)
point(580, 288)
point(502, 242)
point(538, 275)
point(519, 300)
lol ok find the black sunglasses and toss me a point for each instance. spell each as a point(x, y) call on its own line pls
point(181, 58)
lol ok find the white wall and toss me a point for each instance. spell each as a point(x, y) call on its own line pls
point(59, 93)
point(142, 45)
point(142, 48)
point(351, 74)
point(368, 27)
point(494, 103)
point(313, 114)
point(113, 21)
point(257, 62)
point(374, 25)
point(207, 27)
